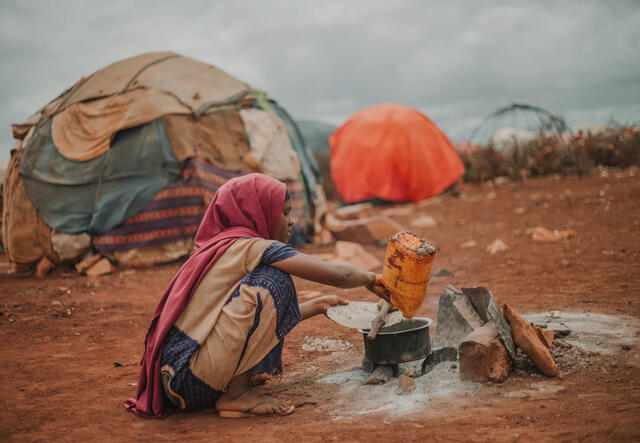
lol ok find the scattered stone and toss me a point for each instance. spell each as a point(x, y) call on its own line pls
point(63, 290)
point(626, 347)
point(426, 221)
point(497, 246)
point(442, 273)
point(543, 235)
point(117, 363)
point(381, 374)
point(483, 357)
point(553, 314)
point(546, 336)
point(399, 211)
point(526, 338)
point(487, 308)
point(437, 356)
point(345, 252)
point(44, 267)
point(364, 230)
point(85, 264)
point(354, 212)
point(468, 244)
point(101, 267)
point(456, 318)
point(57, 303)
point(406, 384)
point(559, 329)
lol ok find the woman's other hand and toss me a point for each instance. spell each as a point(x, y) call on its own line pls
point(379, 289)
point(319, 305)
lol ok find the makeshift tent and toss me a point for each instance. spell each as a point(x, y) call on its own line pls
point(126, 161)
point(394, 153)
point(516, 123)
point(316, 136)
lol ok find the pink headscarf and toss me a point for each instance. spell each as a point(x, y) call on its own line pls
point(247, 206)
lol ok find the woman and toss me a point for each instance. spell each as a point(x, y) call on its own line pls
point(223, 318)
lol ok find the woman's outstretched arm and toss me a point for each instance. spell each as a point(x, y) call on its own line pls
point(341, 276)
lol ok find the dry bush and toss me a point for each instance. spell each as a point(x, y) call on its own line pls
point(546, 154)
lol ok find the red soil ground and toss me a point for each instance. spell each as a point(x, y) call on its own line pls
point(60, 336)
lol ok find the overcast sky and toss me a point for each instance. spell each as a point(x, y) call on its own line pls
point(456, 61)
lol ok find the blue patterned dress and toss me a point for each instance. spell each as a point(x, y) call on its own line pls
point(255, 315)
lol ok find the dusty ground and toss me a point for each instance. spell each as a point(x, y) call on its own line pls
point(60, 336)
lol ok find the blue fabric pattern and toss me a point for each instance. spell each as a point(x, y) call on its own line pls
point(176, 353)
point(179, 347)
point(277, 251)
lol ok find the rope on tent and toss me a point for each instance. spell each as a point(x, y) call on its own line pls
point(141, 70)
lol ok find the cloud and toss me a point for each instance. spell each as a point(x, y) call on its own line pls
point(458, 61)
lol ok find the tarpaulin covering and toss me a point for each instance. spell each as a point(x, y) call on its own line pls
point(132, 92)
point(96, 195)
point(393, 153)
point(176, 211)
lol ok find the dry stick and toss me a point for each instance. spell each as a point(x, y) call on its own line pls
point(377, 322)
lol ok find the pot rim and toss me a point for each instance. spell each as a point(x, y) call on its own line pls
point(427, 320)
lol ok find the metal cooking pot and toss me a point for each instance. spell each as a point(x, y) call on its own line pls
point(406, 341)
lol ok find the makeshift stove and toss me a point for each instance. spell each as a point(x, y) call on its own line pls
point(405, 342)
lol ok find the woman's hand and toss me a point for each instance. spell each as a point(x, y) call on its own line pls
point(319, 305)
point(379, 289)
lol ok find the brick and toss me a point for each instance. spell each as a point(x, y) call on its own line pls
point(483, 357)
point(85, 264)
point(44, 267)
point(527, 339)
point(545, 335)
point(102, 267)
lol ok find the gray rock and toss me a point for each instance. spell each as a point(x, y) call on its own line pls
point(437, 356)
point(559, 329)
point(456, 318)
point(487, 308)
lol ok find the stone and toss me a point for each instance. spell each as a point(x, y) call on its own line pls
point(483, 357)
point(364, 230)
point(456, 318)
point(526, 338)
point(497, 246)
point(355, 255)
point(559, 329)
point(437, 356)
point(102, 267)
point(85, 264)
point(354, 212)
point(406, 384)
point(487, 308)
point(545, 336)
point(44, 267)
point(425, 221)
point(381, 374)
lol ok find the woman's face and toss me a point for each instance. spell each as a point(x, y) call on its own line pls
point(284, 231)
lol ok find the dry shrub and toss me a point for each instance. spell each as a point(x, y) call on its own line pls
point(547, 154)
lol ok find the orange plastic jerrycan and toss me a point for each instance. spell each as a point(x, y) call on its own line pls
point(407, 267)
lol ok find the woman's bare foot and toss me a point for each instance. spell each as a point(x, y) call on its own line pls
point(253, 402)
point(240, 398)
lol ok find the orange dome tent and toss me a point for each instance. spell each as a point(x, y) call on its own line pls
point(394, 153)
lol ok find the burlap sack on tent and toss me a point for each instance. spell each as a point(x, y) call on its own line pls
point(270, 144)
point(133, 92)
point(26, 238)
point(218, 138)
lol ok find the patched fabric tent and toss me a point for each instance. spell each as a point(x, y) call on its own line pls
point(126, 161)
point(393, 153)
